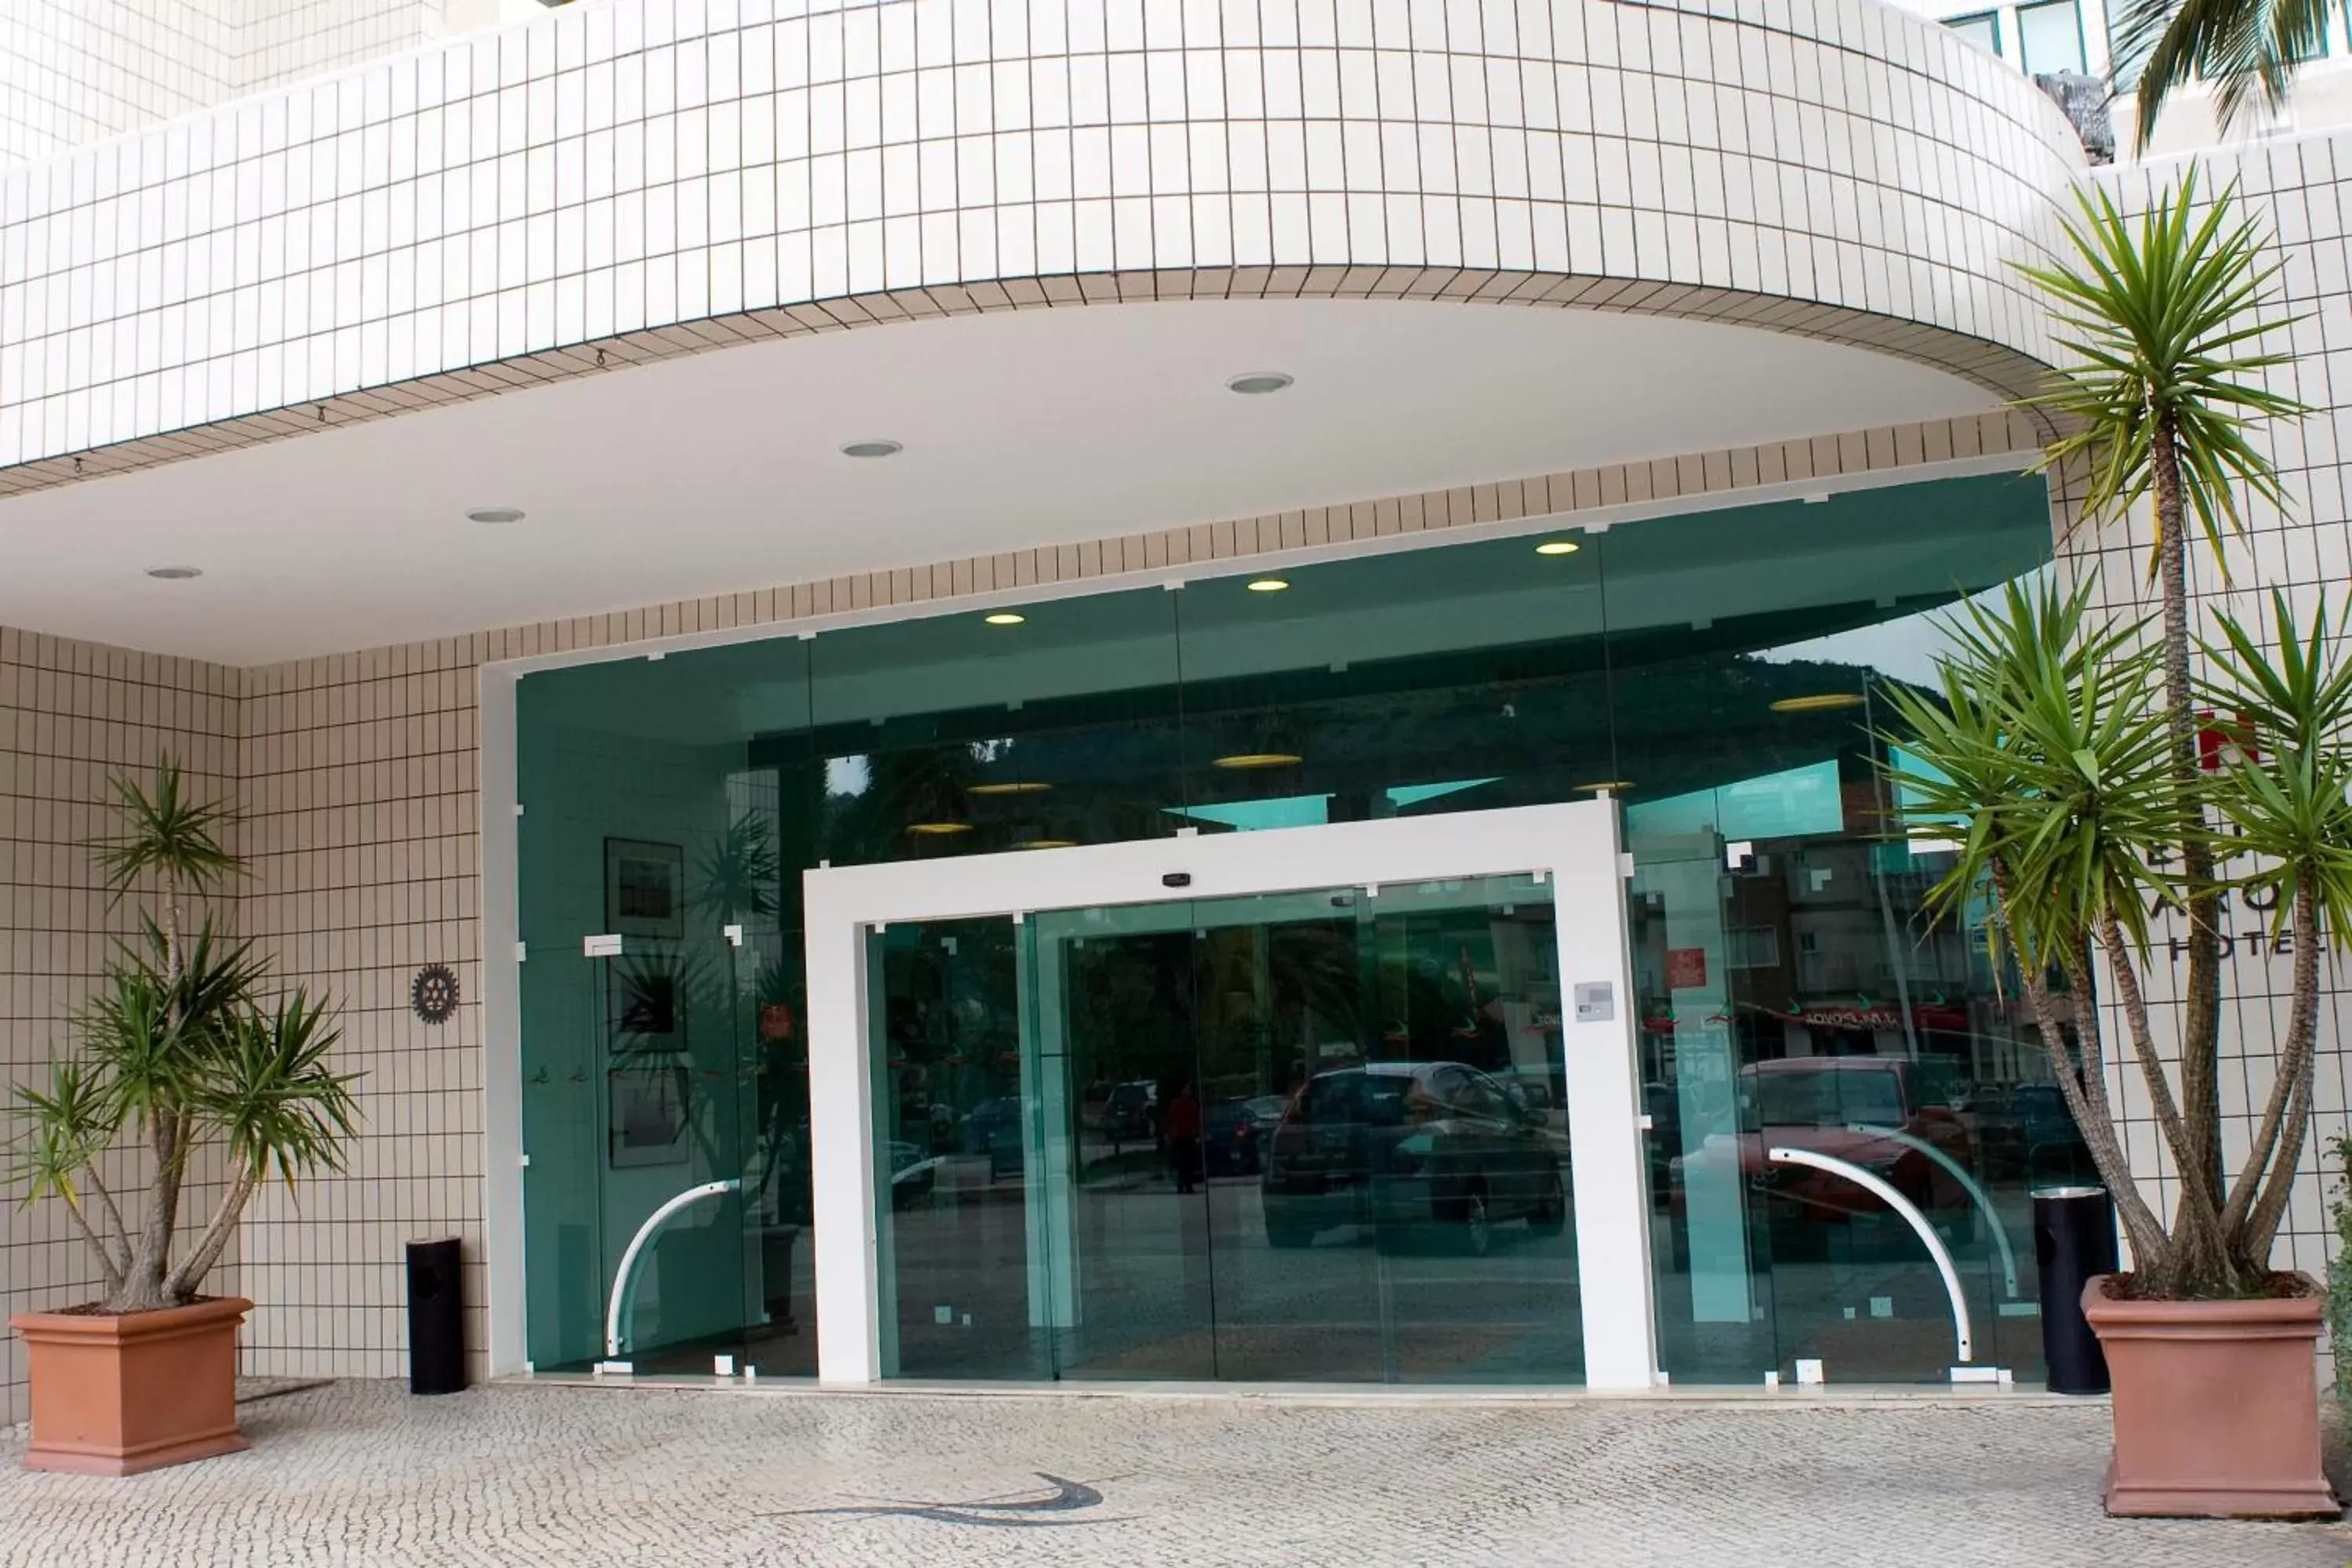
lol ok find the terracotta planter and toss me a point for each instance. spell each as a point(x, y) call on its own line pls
point(2216, 1406)
point(116, 1396)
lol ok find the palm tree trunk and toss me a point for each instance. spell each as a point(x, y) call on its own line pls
point(2197, 1263)
point(142, 1289)
point(2251, 1219)
point(142, 1286)
point(181, 1285)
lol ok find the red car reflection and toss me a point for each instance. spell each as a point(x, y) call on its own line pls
point(1871, 1112)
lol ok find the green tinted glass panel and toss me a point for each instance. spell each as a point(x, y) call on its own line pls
point(675, 1058)
point(1717, 671)
point(1312, 1136)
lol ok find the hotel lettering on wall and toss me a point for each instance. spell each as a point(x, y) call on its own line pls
point(2252, 937)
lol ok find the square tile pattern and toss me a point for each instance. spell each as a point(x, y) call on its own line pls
point(77, 71)
point(428, 226)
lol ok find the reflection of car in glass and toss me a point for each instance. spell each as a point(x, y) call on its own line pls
point(991, 1120)
point(1407, 1146)
point(1131, 1114)
point(1821, 1104)
point(1233, 1134)
point(913, 1174)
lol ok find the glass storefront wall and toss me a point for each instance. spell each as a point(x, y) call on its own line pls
point(1084, 1117)
point(1318, 1136)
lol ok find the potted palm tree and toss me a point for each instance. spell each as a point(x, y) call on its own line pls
point(183, 1055)
point(2107, 779)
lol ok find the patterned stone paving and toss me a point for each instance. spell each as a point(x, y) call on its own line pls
point(360, 1473)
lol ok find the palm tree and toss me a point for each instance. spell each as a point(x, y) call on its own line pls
point(2244, 47)
point(180, 1048)
point(2069, 749)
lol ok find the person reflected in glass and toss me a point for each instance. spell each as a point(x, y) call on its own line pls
point(1183, 1126)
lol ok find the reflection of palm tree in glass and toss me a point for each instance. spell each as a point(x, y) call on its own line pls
point(902, 789)
point(668, 997)
point(736, 875)
point(738, 882)
point(1311, 985)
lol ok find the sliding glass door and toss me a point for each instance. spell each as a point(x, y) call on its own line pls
point(1316, 1135)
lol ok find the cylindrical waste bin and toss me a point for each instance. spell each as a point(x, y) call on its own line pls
point(436, 1318)
point(2074, 1241)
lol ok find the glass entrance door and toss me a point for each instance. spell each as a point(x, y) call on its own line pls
point(1315, 1136)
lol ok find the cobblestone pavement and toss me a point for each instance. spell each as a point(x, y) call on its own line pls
point(360, 1473)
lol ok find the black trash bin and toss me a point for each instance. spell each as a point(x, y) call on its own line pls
point(2074, 1241)
point(436, 1318)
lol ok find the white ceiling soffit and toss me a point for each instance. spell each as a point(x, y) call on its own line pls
point(722, 472)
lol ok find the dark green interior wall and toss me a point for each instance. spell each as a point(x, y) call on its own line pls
point(1456, 676)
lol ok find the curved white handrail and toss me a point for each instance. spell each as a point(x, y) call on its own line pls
point(1902, 1206)
point(1976, 1194)
point(625, 1279)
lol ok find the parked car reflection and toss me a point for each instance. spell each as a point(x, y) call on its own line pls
point(1836, 1106)
point(1411, 1148)
point(1234, 1134)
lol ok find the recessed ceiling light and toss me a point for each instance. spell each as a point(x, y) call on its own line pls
point(1046, 843)
point(1268, 584)
point(174, 573)
point(1559, 547)
point(1240, 760)
point(1026, 787)
point(938, 829)
point(1613, 786)
point(1005, 618)
point(496, 514)
point(871, 448)
point(1258, 383)
point(1819, 702)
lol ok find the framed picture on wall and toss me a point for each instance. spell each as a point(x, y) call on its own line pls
point(645, 888)
point(648, 1112)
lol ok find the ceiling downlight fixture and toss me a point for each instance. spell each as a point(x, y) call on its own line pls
point(874, 448)
point(1268, 584)
point(1559, 547)
point(1819, 702)
point(174, 573)
point(1005, 618)
point(938, 829)
point(1243, 761)
point(495, 515)
point(1258, 383)
point(1008, 787)
point(1046, 843)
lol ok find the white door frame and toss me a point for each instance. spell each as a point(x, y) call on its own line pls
point(1576, 846)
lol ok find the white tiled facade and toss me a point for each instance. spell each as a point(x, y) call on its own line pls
point(617, 168)
point(77, 71)
point(72, 72)
point(631, 179)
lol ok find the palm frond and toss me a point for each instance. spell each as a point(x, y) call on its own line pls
point(2246, 49)
point(65, 1127)
point(2161, 312)
point(165, 832)
point(2043, 753)
point(2288, 791)
point(283, 1109)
